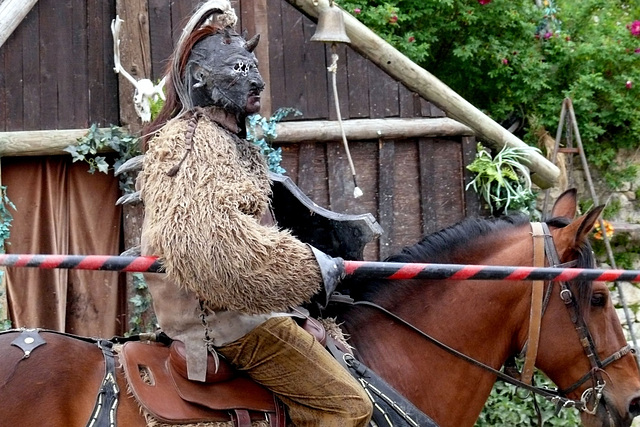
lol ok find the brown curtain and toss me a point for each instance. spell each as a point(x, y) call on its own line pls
point(62, 209)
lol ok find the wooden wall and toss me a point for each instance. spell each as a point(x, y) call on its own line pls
point(56, 68)
point(56, 73)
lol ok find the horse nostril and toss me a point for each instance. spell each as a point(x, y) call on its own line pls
point(634, 407)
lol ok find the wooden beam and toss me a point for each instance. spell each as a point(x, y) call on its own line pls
point(366, 42)
point(368, 129)
point(39, 142)
point(12, 12)
point(135, 56)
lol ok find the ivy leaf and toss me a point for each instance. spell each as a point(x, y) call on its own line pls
point(101, 164)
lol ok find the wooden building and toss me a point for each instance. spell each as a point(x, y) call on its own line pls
point(56, 79)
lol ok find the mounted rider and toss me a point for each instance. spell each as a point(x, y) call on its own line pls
point(231, 274)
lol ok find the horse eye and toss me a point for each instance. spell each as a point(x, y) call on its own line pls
point(598, 300)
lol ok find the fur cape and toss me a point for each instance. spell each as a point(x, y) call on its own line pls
point(204, 223)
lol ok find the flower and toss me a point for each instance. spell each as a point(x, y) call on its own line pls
point(505, 61)
point(608, 228)
point(637, 50)
point(393, 19)
point(357, 10)
point(483, 2)
point(411, 39)
point(629, 84)
point(634, 28)
point(547, 35)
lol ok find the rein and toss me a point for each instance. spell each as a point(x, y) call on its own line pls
point(540, 301)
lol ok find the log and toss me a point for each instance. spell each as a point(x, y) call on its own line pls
point(12, 12)
point(39, 142)
point(367, 43)
point(368, 129)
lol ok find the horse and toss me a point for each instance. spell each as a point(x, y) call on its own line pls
point(581, 345)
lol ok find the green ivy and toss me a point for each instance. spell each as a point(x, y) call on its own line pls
point(268, 126)
point(139, 321)
point(95, 141)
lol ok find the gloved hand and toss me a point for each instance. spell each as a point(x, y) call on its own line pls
point(332, 270)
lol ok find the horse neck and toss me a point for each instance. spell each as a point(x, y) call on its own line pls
point(482, 319)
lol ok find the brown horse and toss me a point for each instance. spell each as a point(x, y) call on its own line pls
point(486, 320)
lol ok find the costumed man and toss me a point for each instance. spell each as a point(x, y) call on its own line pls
point(229, 278)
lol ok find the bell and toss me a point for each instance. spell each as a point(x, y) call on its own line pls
point(330, 27)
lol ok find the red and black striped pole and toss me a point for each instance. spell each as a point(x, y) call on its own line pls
point(355, 269)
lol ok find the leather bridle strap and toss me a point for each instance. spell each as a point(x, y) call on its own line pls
point(537, 296)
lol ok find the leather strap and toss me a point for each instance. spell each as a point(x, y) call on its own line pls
point(241, 418)
point(535, 314)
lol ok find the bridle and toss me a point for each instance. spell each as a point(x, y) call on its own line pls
point(591, 398)
point(595, 392)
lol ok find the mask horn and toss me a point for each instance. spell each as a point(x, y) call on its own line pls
point(252, 43)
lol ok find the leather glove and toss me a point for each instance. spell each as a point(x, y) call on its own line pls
point(332, 270)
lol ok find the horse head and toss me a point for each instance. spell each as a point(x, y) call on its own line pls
point(597, 367)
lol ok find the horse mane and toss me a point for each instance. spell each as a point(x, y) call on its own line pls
point(440, 246)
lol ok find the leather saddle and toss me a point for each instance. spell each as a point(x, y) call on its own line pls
point(157, 377)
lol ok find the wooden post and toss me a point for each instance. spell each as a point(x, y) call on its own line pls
point(12, 12)
point(135, 57)
point(366, 42)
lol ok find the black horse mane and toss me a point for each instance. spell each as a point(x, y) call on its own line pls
point(437, 247)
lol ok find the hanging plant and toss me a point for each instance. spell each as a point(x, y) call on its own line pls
point(268, 126)
point(503, 181)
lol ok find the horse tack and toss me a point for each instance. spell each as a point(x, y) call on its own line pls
point(169, 397)
point(535, 314)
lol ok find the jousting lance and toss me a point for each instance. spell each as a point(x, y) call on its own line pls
point(353, 269)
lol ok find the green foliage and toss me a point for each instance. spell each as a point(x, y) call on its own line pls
point(268, 126)
point(508, 406)
point(97, 141)
point(139, 321)
point(502, 181)
point(514, 60)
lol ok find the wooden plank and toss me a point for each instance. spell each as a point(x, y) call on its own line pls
point(383, 94)
point(367, 129)
point(38, 143)
point(95, 62)
point(14, 78)
point(358, 68)
point(306, 170)
point(135, 57)
point(427, 187)
point(406, 194)
point(31, 70)
point(406, 102)
point(294, 57)
point(160, 41)
point(80, 84)
point(276, 68)
point(111, 106)
point(48, 71)
point(472, 206)
point(315, 74)
point(342, 82)
point(60, 38)
point(448, 179)
point(386, 184)
point(12, 12)
point(3, 88)
point(340, 178)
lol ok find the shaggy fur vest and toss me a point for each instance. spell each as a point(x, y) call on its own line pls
point(204, 223)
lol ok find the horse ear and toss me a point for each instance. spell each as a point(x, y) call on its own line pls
point(574, 234)
point(566, 205)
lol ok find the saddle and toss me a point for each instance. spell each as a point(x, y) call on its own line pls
point(157, 377)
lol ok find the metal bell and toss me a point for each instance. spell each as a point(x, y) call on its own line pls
point(330, 27)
